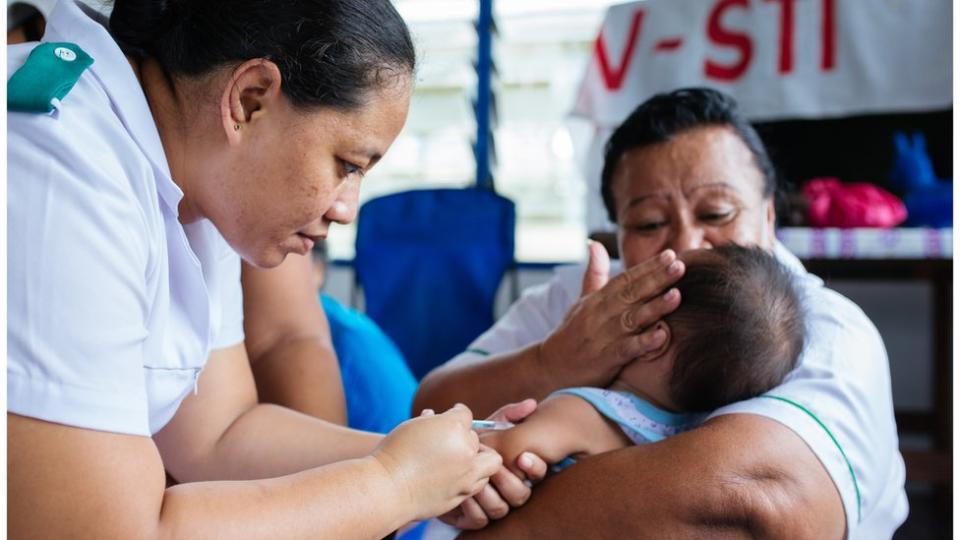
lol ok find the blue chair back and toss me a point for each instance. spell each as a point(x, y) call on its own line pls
point(430, 263)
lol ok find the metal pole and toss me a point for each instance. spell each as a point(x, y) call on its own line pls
point(484, 69)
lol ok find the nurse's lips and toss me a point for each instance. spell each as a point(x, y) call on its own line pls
point(307, 242)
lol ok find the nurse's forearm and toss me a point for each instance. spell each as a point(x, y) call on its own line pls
point(77, 483)
point(351, 499)
point(486, 385)
point(304, 375)
point(267, 441)
point(222, 433)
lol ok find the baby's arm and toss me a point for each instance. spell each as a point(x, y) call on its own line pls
point(562, 426)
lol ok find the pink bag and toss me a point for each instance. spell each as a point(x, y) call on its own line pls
point(835, 204)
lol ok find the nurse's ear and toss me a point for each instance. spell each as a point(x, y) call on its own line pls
point(252, 91)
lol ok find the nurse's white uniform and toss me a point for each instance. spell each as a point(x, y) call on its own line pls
point(838, 399)
point(113, 306)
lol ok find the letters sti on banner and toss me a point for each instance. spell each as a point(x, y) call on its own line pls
point(779, 58)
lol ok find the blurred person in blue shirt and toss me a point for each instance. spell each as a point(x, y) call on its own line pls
point(377, 383)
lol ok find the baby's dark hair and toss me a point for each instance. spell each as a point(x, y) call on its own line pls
point(739, 328)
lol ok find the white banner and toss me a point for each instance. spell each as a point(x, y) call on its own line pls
point(779, 59)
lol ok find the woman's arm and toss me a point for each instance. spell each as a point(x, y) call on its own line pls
point(484, 384)
point(221, 432)
point(288, 340)
point(737, 476)
point(609, 325)
point(79, 483)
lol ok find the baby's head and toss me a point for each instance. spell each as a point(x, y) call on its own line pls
point(737, 333)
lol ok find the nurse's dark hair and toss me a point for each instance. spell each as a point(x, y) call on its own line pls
point(739, 329)
point(329, 52)
point(663, 116)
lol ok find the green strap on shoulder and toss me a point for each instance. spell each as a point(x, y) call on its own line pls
point(46, 77)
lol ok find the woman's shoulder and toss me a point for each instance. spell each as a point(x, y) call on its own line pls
point(839, 336)
point(100, 131)
point(82, 151)
point(82, 133)
point(828, 313)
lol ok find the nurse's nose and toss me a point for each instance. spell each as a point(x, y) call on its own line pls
point(689, 237)
point(344, 207)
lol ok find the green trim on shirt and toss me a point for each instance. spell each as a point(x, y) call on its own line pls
point(856, 486)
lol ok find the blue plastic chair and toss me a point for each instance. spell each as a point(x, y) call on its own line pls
point(430, 263)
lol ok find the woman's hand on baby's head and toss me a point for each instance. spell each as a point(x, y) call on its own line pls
point(612, 322)
point(435, 461)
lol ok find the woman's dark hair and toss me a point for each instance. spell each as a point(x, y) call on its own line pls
point(330, 52)
point(739, 328)
point(664, 115)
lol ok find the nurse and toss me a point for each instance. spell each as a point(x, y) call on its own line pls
point(148, 152)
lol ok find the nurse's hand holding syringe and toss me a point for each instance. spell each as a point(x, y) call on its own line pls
point(436, 461)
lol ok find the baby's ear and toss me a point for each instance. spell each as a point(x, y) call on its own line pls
point(654, 354)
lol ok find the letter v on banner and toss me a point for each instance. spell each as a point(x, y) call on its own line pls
point(613, 76)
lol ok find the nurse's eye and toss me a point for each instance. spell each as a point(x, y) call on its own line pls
point(350, 169)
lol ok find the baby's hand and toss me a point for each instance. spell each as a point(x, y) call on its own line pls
point(506, 490)
point(510, 444)
point(526, 449)
point(510, 487)
point(549, 433)
point(561, 426)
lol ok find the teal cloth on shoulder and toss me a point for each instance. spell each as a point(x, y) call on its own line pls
point(46, 77)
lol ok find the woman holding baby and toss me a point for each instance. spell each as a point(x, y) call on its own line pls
point(815, 457)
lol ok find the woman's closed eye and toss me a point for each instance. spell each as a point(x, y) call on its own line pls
point(718, 216)
point(648, 226)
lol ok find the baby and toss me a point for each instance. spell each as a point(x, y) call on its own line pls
point(737, 333)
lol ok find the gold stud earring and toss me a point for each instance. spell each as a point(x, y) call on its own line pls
point(236, 127)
